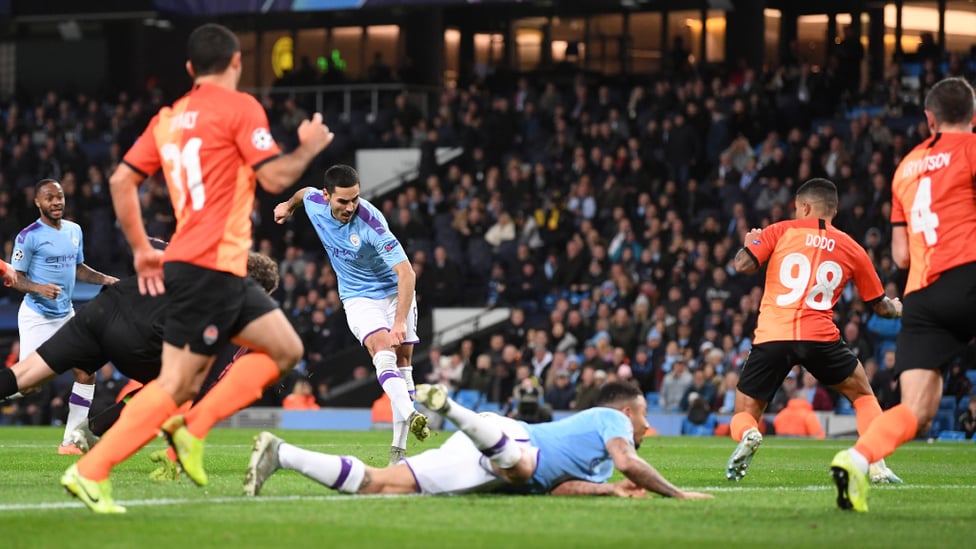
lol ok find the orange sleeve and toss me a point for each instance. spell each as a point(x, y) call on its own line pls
point(761, 248)
point(897, 213)
point(143, 156)
point(3, 267)
point(252, 135)
point(865, 277)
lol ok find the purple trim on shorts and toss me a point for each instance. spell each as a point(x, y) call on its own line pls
point(411, 342)
point(23, 234)
point(497, 448)
point(387, 374)
point(522, 440)
point(373, 222)
point(318, 198)
point(416, 481)
point(343, 473)
point(79, 400)
point(363, 340)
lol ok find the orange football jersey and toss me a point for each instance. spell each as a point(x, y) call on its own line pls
point(934, 197)
point(809, 261)
point(208, 143)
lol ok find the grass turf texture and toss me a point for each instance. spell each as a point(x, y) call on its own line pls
point(786, 500)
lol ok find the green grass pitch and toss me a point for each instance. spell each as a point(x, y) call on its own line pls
point(786, 500)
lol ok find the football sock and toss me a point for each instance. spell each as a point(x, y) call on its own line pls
point(392, 383)
point(889, 431)
point(104, 420)
point(401, 430)
point(79, 403)
point(406, 372)
point(342, 473)
point(137, 425)
point(8, 383)
point(741, 422)
point(486, 435)
point(866, 410)
point(242, 385)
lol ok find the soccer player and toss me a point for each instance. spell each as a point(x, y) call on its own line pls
point(933, 218)
point(121, 326)
point(211, 144)
point(376, 285)
point(49, 257)
point(809, 262)
point(493, 453)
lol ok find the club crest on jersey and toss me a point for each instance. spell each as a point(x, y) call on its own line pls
point(261, 139)
point(74, 240)
point(354, 240)
point(210, 334)
point(18, 255)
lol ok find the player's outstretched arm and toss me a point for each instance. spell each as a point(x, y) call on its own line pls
point(282, 172)
point(28, 286)
point(641, 473)
point(8, 273)
point(625, 489)
point(284, 209)
point(84, 273)
point(888, 308)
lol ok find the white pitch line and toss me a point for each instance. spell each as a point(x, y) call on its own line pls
point(46, 506)
point(187, 501)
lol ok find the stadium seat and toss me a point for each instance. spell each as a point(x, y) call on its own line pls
point(492, 407)
point(706, 429)
point(653, 400)
point(469, 398)
point(844, 407)
point(951, 435)
point(948, 403)
point(971, 374)
point(943, 421)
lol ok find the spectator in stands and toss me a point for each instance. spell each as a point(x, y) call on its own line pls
point(587, 388)
point(724, 401)
point(856, 343)
point(967, 420)
point(957, 384)
point(479, 377)
point(561, 395)
point(700, 386)
point(816, 395)
point(301, 397)
point(797, 419)
point(675, 385)
point(784, 394)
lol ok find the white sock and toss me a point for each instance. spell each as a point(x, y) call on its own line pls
point(486, 435)
point(392, 383)
point(78, 405)
point(342, 473)
point(406, 372)
point(859, 460)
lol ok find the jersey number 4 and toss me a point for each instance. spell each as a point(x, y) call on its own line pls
point(186, 160)
point(924, 220)
point(821, 296)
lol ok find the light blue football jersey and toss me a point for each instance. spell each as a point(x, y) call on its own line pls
point(576, 447)
point(363, 251)
point(50, 256)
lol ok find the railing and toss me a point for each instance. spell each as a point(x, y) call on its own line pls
point(424, 97)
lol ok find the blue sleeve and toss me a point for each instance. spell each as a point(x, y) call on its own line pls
point(81, 248)
point(23, 252)
point(388, 248)
point(616, 425)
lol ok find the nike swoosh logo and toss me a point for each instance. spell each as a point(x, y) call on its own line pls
point(87, 493)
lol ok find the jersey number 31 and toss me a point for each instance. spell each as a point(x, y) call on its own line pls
point(821, 296)
point(186, 160)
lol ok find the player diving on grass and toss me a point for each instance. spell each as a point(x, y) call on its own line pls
point(572, 456)
point(376, 286)
point(123, 327)
point(808, 263)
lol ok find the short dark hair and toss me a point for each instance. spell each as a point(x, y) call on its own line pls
point(822, 190)
point(614, 394)
point(340, 175)
point(210, 49)
point(951, 101)
point(263, 270)
point(41, 183)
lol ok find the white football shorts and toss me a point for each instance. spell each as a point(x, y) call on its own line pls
point(367, 316)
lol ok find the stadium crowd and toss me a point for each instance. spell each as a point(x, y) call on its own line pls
point(604, 212)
